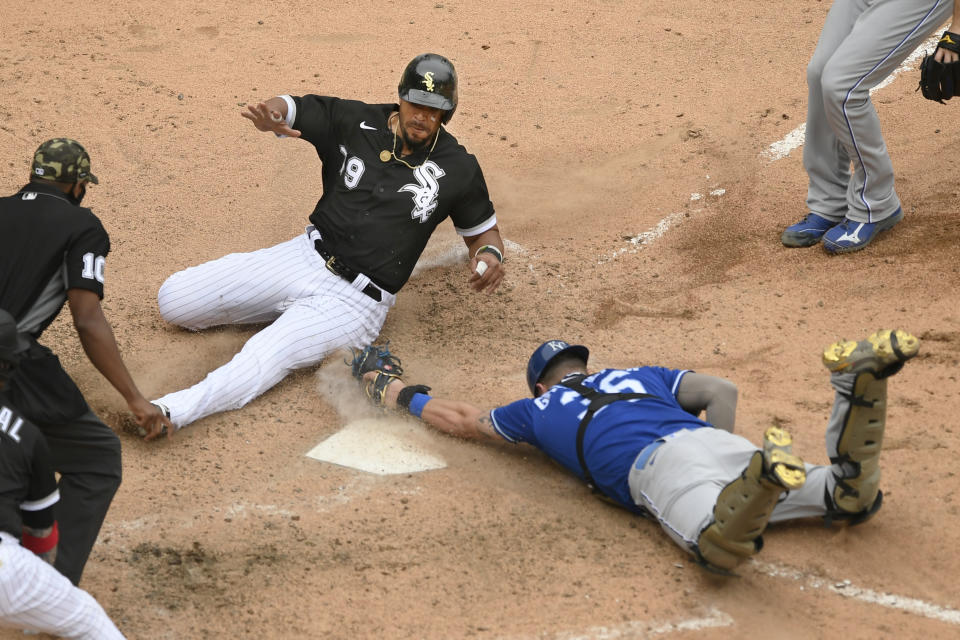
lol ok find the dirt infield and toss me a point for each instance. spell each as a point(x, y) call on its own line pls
point(625, 145)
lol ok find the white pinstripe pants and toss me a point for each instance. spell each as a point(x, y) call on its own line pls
point(312, 311)
point(33, 595)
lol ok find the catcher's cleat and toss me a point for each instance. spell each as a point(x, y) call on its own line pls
point(780, 465)
point(880, 353)
point(745, 505)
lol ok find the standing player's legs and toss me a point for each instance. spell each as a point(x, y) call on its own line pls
point(826, 160)
point(883, 34)
point(34, 596)
point(86, 454)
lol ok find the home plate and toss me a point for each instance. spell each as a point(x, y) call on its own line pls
point(378, 445)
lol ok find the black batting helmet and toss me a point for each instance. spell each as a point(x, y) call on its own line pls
point(430, 80)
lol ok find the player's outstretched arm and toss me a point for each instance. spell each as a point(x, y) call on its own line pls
point(453, 417)
point(486, 248)
point(270, 116)
point(716, 396)
point(98, 342)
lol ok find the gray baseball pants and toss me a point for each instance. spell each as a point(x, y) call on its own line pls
point(862, 42)
point(680, 482)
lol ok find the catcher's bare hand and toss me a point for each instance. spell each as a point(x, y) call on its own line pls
point(488, 277)
point(266, 119)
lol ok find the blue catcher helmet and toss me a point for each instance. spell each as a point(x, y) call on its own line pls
point(545, 354)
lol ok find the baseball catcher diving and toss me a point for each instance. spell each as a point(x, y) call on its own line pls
point(635, 438)
point(391, 174)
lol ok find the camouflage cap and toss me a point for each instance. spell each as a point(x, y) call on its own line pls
point(62, 160)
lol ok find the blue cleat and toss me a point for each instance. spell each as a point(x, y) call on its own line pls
point(850, 235)
point(807, 232)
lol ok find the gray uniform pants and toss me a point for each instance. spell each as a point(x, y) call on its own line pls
point(861, 43)
point(680, 482)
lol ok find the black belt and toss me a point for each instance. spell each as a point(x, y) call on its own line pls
point(345, 272)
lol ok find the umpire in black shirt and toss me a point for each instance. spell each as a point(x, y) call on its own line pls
point(52, 251)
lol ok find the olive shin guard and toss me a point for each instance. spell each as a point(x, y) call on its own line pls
point(741, 514)
point(859, 444)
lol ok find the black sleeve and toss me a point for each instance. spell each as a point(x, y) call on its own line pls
point(315, 119)
point(473, 208)
point(86, 256)
point(37, 509)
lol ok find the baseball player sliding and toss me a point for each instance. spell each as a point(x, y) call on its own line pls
point(33, 595)
point(391, 173)
point(634, 437)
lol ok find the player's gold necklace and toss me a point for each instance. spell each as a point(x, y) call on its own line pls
point(386, 155)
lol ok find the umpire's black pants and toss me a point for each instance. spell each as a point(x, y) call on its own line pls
point(86, 454)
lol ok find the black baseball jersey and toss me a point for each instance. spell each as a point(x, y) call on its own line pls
point(28, 487)
point(377, 216)
point(47, 245)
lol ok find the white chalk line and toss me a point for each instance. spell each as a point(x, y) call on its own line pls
point(716, 618)
point(776, 151)
point(640, 629)
point(848, 590)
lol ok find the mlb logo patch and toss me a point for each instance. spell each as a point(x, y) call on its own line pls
point(38, 171)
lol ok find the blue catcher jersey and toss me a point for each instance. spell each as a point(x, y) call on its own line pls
point(617, 433)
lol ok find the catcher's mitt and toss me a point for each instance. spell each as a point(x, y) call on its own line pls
point(378, 359)
point(940, 81)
